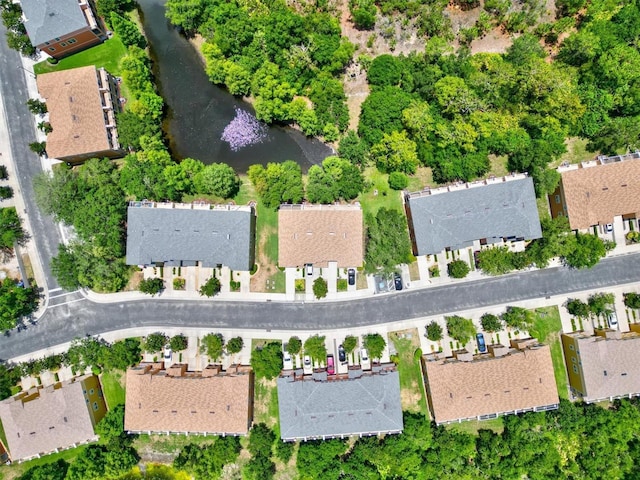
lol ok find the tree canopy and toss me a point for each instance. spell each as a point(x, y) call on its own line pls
point(387, 241)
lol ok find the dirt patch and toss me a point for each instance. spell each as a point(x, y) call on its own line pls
point(495, 41)
point(410, 397)
point(134, 282)
point(263, 263)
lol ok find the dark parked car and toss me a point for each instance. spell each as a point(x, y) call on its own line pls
point(397, 281)
point(482, 347)
point(342, 354)
point(330, 365)
point(352, 276)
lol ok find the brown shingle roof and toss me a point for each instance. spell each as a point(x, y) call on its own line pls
point(75, 112)
point(193, 403)
point(594, 195)
point(521, 380)
point(320, 234)
point(59, 418)
point(610, 366)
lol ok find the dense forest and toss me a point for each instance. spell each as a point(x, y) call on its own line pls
point(449, 110)
point(575, 442)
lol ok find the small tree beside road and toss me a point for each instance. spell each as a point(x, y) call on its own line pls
point(315, 347)
point(36, 107)
point(578, 308)
point(151, 286)
point(211, 287)
point(434, 331)
point(294, 345)
point(39, 148)
point(178, 343)
point(518, 318)
point(458, 269)
point(213, 345)
point(320, 288)
point(374, 343)
point(350, 343)
point(632, 300)
point(491, 323)
point(234, 345)
point(155, 342)
point(601, 303)
point(460, 329)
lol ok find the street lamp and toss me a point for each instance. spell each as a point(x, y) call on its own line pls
point(29, 72)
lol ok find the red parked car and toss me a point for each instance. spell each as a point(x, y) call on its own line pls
point(330, 365)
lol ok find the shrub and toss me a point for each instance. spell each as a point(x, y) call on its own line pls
point(350, 343)
point(179, 343)
point(39, 148)
point(300, 285)
point(458, 269)
point(234, 345)
point(155, 342)
point(212, 344)
point(374, 343)
point(398, 180)
point(320, 288)
point(151, 285)
point(36, 107)
point(211, 287)
point(342, 285)
point(6, 192)
point(4, 174)
point(434, 271)
point(179, 283)
point(434, 331)
point(294, 345)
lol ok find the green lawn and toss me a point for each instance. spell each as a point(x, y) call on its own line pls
point(17, 469)
point(107, 55)
point(112, 385)
point(546, 328)
point(385, 197)
point(266, 403)
point(411, 381)
point(472, 426)
point(164, 444)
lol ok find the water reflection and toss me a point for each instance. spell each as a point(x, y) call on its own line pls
point(199, 112)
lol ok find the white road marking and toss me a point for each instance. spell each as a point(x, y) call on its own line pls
point(67, 303)
point(63, 294)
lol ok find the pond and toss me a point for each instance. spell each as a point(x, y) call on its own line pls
point(199, 112)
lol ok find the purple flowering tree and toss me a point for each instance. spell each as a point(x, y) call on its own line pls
point(244, 130)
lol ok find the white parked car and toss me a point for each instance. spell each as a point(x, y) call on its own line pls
point(307, 365)
point(613, 320)
point(365, 362)
point(287, 361)
point(167, 354)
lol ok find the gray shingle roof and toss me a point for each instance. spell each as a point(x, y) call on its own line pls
point(458, 217)
point(182, 236)
point(49, 19)
point(365, 406)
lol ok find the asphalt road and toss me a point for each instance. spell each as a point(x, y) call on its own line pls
point(13, 88)
point(83, 317)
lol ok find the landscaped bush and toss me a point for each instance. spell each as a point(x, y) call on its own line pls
point(458, 269)
point(4, 174)
point(6, 192)
point(398, 181)
point(179, 283)
point(342, 285)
